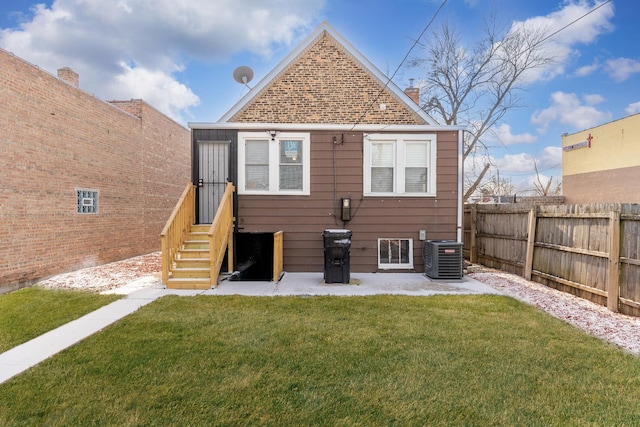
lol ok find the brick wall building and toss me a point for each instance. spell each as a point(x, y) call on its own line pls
point(602, 164)
point(299, 94)
point(353, 137)
point(60, 148)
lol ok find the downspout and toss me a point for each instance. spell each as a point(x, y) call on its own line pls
point(460, 187)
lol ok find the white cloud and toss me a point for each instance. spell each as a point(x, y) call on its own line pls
point(633, 108)
point(156, 87)
point(154, 38)
point(562, 46)
point(593, 99)
point(587, 70)
point(569, 109)
point(515, 163)
point(620, 69)
point(526, 163)
point(551, 157)
point(503, 134)
point(520, 168)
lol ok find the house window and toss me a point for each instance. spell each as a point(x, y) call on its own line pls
point(395, 253)
point(274, 165)
point(400, 165)
point(86, 201)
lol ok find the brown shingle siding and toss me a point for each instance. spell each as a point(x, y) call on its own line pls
point(303, 218)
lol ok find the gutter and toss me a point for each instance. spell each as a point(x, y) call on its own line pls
point(323, 126)
point(460, 182)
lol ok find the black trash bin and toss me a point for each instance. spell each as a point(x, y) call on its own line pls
point(337, 249)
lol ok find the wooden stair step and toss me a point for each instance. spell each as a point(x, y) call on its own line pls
point(196, 244)
point(194, 253)
point(188, 283)
point(192, 263)
point(199, 235)
point(194, 273)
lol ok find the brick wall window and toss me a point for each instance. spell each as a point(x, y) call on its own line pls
point(87, 201)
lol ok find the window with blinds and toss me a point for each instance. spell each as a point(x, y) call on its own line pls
point(274, 164)
point(257, 165)
point(416, 167)
point(291, 169)
point(382, 167)
point(399, 165)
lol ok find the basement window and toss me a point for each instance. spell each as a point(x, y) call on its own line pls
point(87, 201)
point(395, 253)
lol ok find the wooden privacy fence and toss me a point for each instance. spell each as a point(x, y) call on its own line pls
point(592, 251)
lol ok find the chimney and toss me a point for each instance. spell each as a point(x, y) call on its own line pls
point(413, 92)
point(69, 76)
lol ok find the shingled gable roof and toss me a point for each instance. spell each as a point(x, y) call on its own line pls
point(391, 91)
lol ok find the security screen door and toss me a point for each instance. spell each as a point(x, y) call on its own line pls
point(213, 167)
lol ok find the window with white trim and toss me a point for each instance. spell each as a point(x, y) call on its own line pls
point(400, 165)
point(277, 164)
point(395, 253)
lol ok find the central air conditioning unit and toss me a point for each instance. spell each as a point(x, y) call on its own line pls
point(443, 259)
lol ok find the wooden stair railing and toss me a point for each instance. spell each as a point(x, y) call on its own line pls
point(177, 227)
point(221, 235)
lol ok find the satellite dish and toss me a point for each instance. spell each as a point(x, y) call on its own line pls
point(243, 74)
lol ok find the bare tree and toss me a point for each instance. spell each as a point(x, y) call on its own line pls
point(477, 86)
point(541, 188)
point(496, 188)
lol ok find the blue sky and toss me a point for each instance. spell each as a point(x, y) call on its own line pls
point(179, 55)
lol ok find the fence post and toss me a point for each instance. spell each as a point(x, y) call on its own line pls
point(531, 241)
point(613, 282)
point(473, 253)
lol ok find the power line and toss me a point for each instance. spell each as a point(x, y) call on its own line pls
point(574, 21)
point(401, 63)
point(530, 173)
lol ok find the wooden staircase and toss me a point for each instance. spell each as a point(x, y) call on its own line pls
point(192, 255)
point(191, 267)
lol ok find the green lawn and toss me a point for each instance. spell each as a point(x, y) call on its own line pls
point(334, 361)
point(30, 312)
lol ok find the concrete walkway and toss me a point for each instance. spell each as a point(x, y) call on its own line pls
point(29, 354)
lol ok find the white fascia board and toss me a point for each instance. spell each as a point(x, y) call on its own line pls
point(323, 126)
